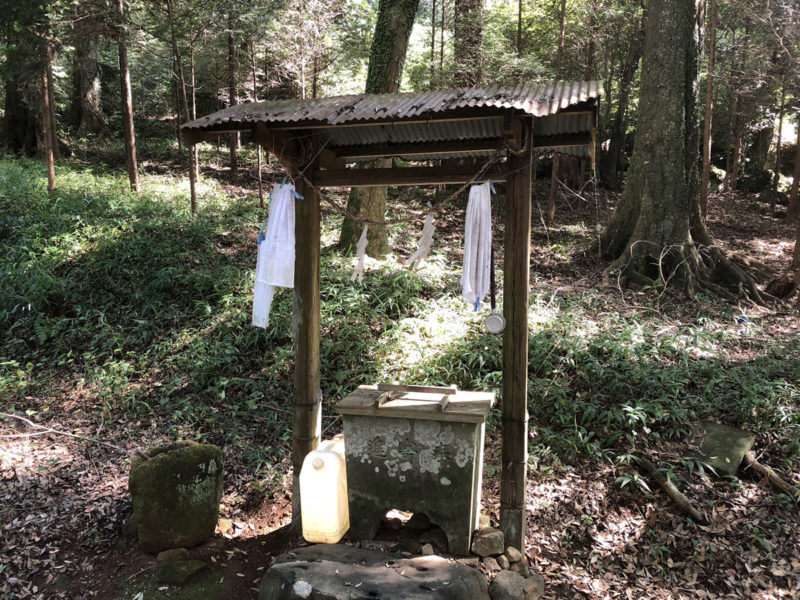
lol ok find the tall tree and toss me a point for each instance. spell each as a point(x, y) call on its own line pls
point(794, 200)
point(737, 114)
point(128, 132)
point(656, 234)
point(550, 211)
point(87, 113)
point(613, 162)
point(233, 94)
point(467, 39)
point(49, 140)
point(709, 109)
point(386, 59)
point(776, 177)
point(26, 32)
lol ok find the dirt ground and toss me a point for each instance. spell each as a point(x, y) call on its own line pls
point(67, 498)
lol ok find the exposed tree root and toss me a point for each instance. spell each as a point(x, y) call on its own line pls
point(766, 472)
point(727, 272)
point(682, 502)
point(692, 267)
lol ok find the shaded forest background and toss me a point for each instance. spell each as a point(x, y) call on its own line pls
point(191, 58)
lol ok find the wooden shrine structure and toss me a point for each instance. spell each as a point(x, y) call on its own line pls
point(319, 140)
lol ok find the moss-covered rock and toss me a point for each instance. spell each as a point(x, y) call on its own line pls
point(178, 572)
point(176, 491)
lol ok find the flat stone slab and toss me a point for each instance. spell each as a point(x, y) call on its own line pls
point(341, 572)
point(724, 447)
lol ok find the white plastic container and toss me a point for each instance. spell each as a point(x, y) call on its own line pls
point(323, 493)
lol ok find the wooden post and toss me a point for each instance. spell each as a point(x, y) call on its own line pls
point(516, 269)
point(307, 415)
point(48, 136)
point(193, 170)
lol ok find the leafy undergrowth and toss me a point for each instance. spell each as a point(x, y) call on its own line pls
point(125, 320)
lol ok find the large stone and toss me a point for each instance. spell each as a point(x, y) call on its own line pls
point(339, 572)
point(534, 587)
point(178, 572)
point(513, 554)
point(724, 447)
point(176, 491)
point(508, 586)
point(491, 564)
point(173, 555)
point(488, 542)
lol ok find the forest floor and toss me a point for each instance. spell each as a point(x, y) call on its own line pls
point(127, 326)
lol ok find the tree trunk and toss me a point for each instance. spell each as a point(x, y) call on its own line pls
point(591, 48)
point(127, 100)
point(794, 201)
point(89, 115)
point(387, 55)
point(176, 54)
point(258, 146)
point(550, 211)
point(47, 110)
point(176, 96)
point(777, 174)
point(233, 99)
point(442, 23)
point(19, 123)
point(732, 176)
point(51, 101)
point(654, 234)
point(433, 43)
point(467, 38)
point(613, 162)
point(185, 102)
point(709, 111)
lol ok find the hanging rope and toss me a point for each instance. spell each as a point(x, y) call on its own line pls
point(435, 208)
point(477, 178)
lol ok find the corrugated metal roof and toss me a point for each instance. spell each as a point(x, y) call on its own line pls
point(536, 99)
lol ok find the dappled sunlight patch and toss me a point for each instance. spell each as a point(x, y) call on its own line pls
point(774, 248)
point(28, 457)
point(542, 310)
point(417, 339)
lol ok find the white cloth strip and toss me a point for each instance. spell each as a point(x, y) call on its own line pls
point(477, 244)
point(275, 262)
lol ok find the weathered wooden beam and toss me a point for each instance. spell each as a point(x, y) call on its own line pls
point(512, 130)
point(514, 474)
point(567, 139)
point(195, 136)
point(328, 159)
point(307, 409)
point(406, 149)
point(404, 176)
point(282, 145)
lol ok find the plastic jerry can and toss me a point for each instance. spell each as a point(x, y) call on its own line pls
point(323, 493)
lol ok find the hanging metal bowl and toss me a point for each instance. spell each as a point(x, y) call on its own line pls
point(495, 323)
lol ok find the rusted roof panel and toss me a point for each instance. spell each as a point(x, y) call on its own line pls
point(536, 99)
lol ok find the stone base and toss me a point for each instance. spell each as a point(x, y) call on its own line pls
point(340, 572)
